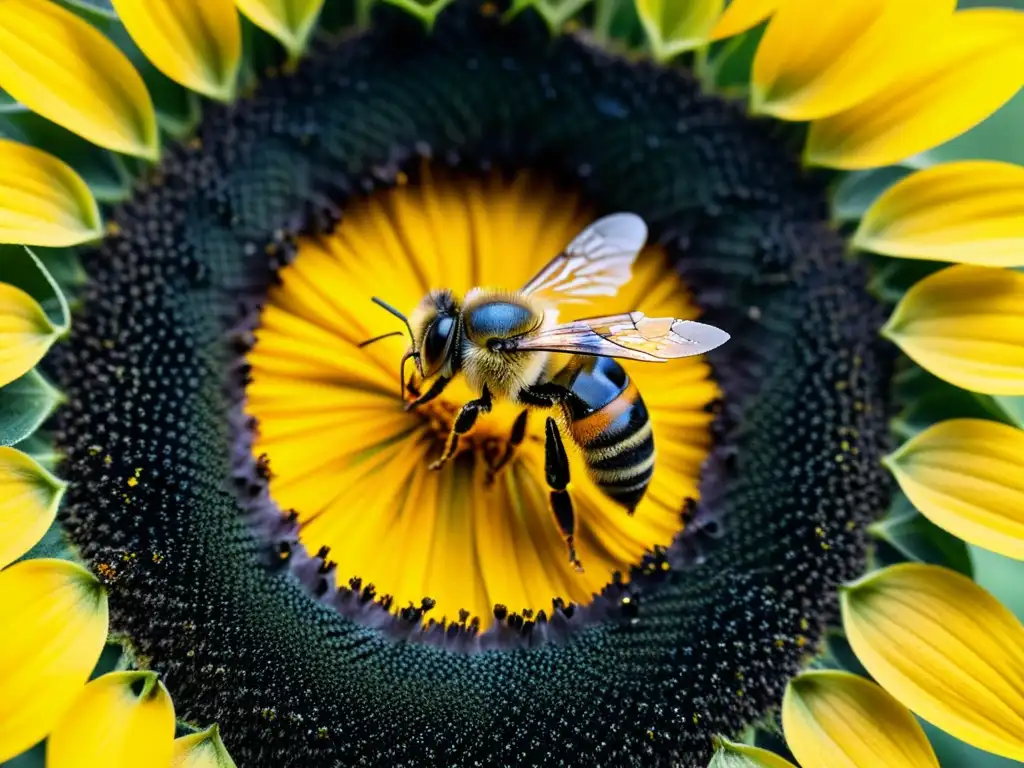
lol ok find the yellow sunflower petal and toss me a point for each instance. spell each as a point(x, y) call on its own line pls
point(202, 750)
point(674, 27)
point(29, 496)
point(844, 721)
point(119, 720)
point(965, 324)
point(731, 755)
point(815, 60)
point(197, 43)
point(945, 648)
point(971, 67)
point(42, 200)
point(59, 66)
point(967, 476)
point(290, 21)
point(969, 212)
point(741, 15)
point(25, 333)
point(55, 625)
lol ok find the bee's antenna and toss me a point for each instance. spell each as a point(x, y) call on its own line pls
point(413, 352)
point(378, 338)
point(396, 313)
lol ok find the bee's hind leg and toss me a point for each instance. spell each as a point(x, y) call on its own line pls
point(515, 439)
point(556, 470)
point(464, 422)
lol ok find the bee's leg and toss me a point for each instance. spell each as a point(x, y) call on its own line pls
point(464, 422)
point(514, 441)
point(556, 469)
point(435, 389)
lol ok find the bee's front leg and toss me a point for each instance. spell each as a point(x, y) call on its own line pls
point(464, 422)
point(435, 389)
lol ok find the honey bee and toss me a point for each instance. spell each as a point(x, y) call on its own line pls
point(506, 344)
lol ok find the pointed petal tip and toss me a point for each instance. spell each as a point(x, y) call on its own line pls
point(943, 647)
point(28, 333)
point(115, 723)
point(43, 201)
point(962, 475)
point(290, 21)
point(204, 749)
point(961, 211)
point(965, 325)
point(29, 498)
point(100, 95)
point(198, 45)
point(848, 722)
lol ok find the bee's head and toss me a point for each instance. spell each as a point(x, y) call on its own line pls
point(432, 331)
point(432, 325)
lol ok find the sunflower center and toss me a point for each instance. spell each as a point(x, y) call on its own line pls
point(476, 538)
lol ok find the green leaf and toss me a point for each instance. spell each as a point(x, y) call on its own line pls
point(857, 190)
point(617, 20)
point(25, 403)
point(937, 404)
point(728, 69)
point(917, 538)
point(892, 277)
point(91, 10)
point(8, 103)
point(839, 655)
point(927, 400)
point(103, 171)
point(1008, 408)
point(335, 17)
point(953, 753)
point(20, 267)
point(63, 266)
point(260, 51)
point(40, 446)
point(1002, 576)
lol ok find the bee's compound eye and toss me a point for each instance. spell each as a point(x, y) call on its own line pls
point(435, 342)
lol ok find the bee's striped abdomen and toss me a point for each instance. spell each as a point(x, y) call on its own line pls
point(608, 420)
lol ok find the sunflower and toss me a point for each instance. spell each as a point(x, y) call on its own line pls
point(212, 466)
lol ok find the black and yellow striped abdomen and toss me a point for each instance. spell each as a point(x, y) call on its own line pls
point(608, 420)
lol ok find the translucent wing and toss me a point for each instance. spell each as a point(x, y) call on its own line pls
point(633, 336)
point(597, 262)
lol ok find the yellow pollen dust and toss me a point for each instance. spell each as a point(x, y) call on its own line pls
point(353, 464)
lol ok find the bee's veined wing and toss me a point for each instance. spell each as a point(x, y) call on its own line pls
point(633, 336)
point(597, 262)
